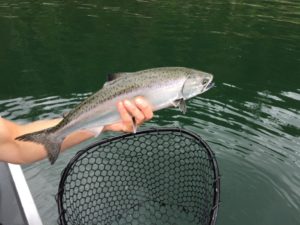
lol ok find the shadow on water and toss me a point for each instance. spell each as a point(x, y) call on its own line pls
point(53, 54)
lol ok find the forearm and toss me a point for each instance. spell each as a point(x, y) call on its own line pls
point(36, 126)
point(14, 151)
point(21, 152)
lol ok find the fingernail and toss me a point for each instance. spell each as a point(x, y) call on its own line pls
point(139, 101)
point(127, 102)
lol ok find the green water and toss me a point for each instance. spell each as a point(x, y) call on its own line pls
point(53, 54)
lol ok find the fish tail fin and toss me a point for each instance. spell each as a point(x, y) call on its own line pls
point(48, 140)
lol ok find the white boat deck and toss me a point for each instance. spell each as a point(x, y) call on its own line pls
point(16, 203)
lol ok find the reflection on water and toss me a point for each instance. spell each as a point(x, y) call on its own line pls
point(51, 49)
point(259, 135)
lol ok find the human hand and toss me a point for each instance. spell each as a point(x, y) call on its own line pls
point(139, 109)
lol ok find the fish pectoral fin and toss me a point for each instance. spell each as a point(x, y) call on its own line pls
point(95, 130)
point(180, 103)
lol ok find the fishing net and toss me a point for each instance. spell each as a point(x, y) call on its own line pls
point(153, 177)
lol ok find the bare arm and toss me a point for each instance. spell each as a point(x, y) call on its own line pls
point(20, 152)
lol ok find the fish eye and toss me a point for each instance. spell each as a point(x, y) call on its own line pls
point(205, 81)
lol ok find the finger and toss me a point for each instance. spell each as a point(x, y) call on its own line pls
point(145, 107)
point(125, 117)
point(134, 111)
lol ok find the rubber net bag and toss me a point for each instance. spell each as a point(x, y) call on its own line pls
point(153, 177)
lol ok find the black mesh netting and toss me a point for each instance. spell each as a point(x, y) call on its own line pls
point(154, 177)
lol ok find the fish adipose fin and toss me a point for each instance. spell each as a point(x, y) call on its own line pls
point(64, 115)
point(51, 144)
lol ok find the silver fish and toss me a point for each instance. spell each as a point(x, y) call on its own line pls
point(162, 87)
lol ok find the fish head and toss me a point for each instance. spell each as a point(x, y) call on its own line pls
point(196, 83)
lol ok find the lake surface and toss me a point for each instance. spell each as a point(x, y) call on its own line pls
point(53, 54)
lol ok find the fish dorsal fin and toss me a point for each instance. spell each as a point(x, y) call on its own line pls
point(111, 78)
point(114, 76)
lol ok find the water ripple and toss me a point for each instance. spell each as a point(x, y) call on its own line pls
point(292, 95)
point(253, 129)
point(18, 109)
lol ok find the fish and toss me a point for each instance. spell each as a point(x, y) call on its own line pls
point(162, 87)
